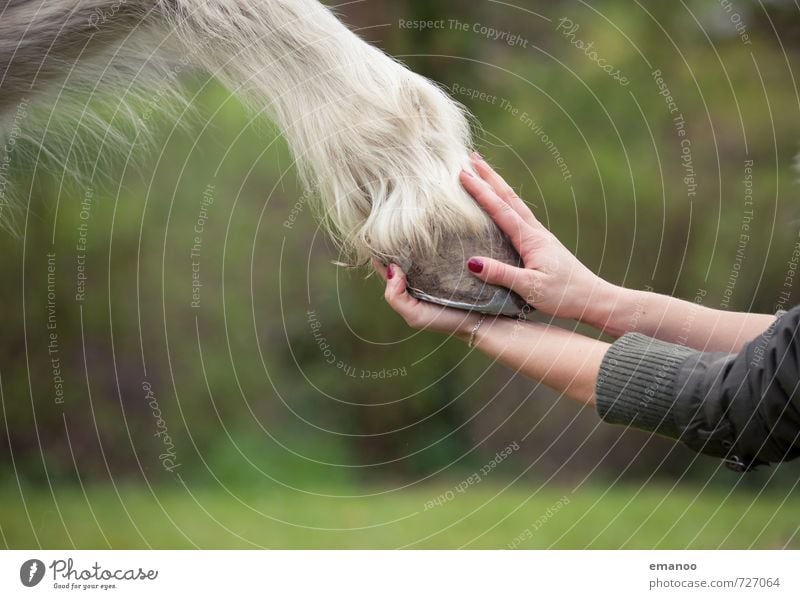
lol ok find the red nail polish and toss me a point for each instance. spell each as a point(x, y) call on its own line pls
point(389, 272)
point(475, 265)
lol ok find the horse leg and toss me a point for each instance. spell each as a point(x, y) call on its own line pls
point(381, 146)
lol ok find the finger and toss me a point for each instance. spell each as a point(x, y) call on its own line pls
point(519, 280)
point(395, 294)
point(379, 268)
point(501, 213)
point(503, 189)
point(417, 313)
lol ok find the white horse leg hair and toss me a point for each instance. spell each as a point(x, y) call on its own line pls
point(380, 146)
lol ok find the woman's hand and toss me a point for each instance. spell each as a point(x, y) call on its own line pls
point(553, 280)
point(561, 359)
point(419, 314)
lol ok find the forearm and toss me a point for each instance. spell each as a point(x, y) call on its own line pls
point(742, 406)
point(565, 361)
point(618, 311)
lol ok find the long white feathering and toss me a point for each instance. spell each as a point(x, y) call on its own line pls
point(380, 146)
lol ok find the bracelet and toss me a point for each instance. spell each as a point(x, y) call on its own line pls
point(474, 332)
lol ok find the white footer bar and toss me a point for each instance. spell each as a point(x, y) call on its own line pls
point(400, 574)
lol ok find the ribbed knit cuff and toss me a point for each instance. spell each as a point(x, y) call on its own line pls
point(635, 385)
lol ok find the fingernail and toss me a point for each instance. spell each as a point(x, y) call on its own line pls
point(468, 174)
point(478, 156)
point(475, 265)
point(389, 272)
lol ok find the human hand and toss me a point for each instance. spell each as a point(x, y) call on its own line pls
point(419, 314)
point(552, 280)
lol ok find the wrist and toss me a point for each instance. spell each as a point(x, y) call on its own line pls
point(488, 329)
point(605, 304)
point(627, 312)
point(467, 326)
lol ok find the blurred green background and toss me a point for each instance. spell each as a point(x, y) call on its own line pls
point(290, 407)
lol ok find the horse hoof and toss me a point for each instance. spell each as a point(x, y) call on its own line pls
point(445, 280)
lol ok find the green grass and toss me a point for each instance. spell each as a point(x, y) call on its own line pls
point(482, 517)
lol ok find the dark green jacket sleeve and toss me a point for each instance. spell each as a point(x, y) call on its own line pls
point(744, 408)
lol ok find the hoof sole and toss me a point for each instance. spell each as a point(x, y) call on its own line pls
point(445, 280)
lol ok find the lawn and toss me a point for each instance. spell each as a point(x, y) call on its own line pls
point(478, 516)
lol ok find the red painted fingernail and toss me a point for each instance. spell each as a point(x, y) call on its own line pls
point(475, 265)
point(389, 271)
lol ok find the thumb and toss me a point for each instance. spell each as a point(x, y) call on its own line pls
point(395, 283)
point(499, 273)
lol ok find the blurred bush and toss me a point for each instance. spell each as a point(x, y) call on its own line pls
point(290, 371)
